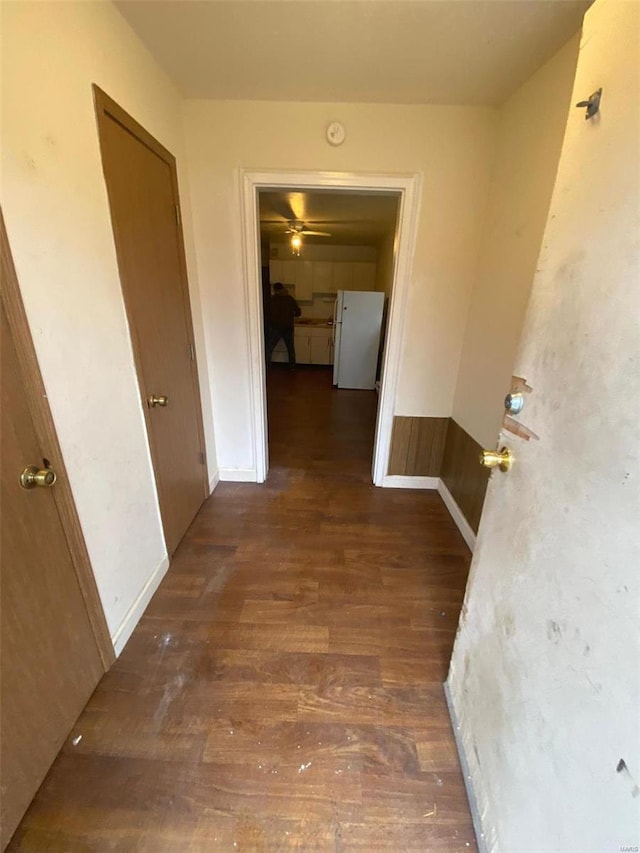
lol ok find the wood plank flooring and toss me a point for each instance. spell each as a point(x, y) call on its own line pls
point(283, 690)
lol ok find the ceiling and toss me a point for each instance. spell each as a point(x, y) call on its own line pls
point(473, 52)
point(357, 219)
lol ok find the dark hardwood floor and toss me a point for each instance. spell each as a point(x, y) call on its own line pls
point(283, 690)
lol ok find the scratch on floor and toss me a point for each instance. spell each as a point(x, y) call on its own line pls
point(171, 691)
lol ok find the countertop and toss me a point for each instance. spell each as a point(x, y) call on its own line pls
point(314, 321)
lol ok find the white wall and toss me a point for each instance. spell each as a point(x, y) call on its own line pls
point(545, 678)
point(57, 217)
point(530, 131)
point(450, 146)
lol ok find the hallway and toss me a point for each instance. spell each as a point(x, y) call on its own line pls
point(283, 690)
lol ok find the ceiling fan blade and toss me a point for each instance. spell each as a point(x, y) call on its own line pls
point(280, 208)
point(316, 233)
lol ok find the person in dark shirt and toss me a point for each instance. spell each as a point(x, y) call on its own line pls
point(283, 309)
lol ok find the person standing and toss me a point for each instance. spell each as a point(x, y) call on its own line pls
point(283, 309)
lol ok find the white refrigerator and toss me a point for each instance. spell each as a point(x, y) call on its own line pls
point(357, 322)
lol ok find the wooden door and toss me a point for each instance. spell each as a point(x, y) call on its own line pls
point(544, 676)
point(50, 658)
point(142, 186)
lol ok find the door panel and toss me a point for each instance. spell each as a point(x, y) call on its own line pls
point(141, 185)
point(50, 662)
point(544, 676)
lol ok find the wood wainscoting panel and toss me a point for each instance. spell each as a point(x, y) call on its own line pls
point(462, 473)
point(417, 446)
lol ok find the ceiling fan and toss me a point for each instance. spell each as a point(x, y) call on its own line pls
point(298, 231)
point(298, 227)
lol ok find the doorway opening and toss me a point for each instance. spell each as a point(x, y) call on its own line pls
point(327, 276)
point(365, 222)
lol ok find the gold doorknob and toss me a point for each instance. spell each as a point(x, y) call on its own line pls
point(32, 477)
point(158, 400)
point(494, 459)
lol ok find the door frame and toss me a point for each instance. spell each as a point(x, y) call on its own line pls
point(45, 429)
point(107, 110)
point(409, 189)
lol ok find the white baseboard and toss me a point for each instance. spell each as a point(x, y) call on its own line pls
point(400, 482)
point(466, 774)
point(213, 482)
point(456, 514)
point(138, 607)
point(238, 475)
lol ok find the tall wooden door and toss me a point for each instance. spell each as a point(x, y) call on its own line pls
point(50, 657)
point(544, 678)
point(142, 186)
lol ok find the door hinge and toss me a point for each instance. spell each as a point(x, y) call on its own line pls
point(192, 352)
point(178, 219)
point(201, 457)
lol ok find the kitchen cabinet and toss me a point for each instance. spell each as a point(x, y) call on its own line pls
point(364, 276)
point(311, 277)
point(304, 280)
point(275, 271)
point(302, 340)
point(321, 346)
point(295, 272)
point(289, 272)
point(342, 275)
point(302, 343)
point(314, 345)
point(280, 354)
point(323, 277)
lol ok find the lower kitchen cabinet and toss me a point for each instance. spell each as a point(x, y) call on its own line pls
point(314, 345)
point(302, 339)
point(302, 343)
point(321, 349)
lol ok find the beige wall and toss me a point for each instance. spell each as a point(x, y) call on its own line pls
point(57, 217)
point(55, 205)
point(384, 269)
point(530, 131)
point(450, 146)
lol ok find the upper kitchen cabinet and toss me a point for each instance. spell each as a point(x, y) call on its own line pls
point(323, 277)
point(315, 275)
point(297, 273)
point(304, 280)
point(342, 275)
point(275, 271)
point(363, 276)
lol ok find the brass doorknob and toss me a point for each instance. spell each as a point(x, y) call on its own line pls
point(32, 477)
point(158, 400)
point(494, 459)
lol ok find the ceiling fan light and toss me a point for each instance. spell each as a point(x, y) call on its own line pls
point(296, 243)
